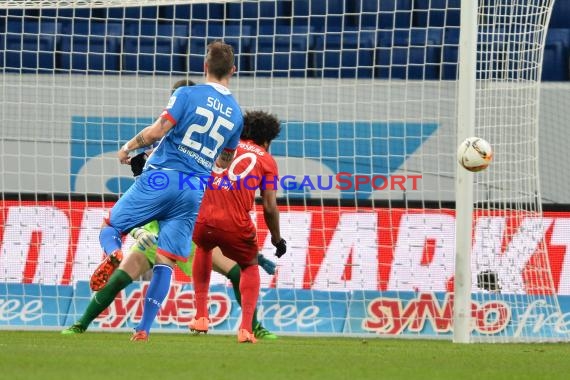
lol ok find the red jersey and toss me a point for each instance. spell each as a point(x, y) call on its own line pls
point(230, 195)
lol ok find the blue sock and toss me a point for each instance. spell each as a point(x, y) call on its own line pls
point(110, 239)
point(156, 293)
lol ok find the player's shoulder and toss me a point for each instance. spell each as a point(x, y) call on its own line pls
point(270, 159)
point(250, 146)
point(184, 89)
point(197, 88)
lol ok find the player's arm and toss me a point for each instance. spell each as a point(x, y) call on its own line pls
point(271, 216)
point(228, 153)
point(225, 158)
point(146, 137)
point(138, 162)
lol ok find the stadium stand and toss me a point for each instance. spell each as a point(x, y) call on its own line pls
point(335, 38)
point(30, 45)
point(88, 45)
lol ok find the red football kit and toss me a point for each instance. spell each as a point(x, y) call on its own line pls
point(224, 219)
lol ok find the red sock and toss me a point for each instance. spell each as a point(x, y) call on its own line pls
point(249, 288)
point(201, 270)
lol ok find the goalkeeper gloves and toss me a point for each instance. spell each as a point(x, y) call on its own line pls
point(137, 163)
point(281, 246)
point(266, 264)
point(144, 238)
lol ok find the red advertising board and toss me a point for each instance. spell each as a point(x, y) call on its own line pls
point(330, 248)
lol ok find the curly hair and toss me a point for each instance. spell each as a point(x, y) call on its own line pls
point(261, 127)
point(181, 83)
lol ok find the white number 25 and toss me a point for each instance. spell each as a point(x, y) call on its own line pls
point(205, 128)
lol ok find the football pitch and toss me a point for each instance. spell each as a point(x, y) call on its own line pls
point(104, 356)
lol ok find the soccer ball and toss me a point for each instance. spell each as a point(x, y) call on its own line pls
point(474, 154)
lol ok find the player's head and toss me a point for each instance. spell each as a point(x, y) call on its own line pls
point(261, 127)
point(181, 83)
point(219, 60)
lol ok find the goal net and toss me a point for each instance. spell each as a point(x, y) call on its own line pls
point(368, 94)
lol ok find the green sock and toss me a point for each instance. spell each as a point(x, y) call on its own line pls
point(104, 297)
point(234, 275)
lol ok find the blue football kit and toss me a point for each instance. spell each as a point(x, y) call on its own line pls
point(207, 119)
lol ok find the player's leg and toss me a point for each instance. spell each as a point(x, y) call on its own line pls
point(156, 293)
point(201, 271)
point(134, 265)
point(229, 268)
point(137, 206)
point(242, 248)
point(174, 244)
point(249, 287)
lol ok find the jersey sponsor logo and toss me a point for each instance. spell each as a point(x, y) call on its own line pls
point(431, 313)
point(177, 309)
point(171, 102)
point(392, 315)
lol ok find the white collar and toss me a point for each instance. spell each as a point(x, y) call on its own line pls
point(220, 88)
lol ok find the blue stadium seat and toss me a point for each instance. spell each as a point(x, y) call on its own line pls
point(85, 27)
point(383, 14)
point(256, 10)
point(236, 11)
point(196, 53)
point(237, 35)
point(560, 14)
point(77, 13)
point(177, 30)
point(91, 46)
point(3, 21)
point(496, 56)
point(31, 44)
point(556, 62)
point(344, 55)
point(284, 9)
point(201, 12)
point(34, 26)
point(133, 13)
point(436, 13)
point(268, 9)
point(146, 13)
point(207, 11)
point(450, 54)
point(177, 13)
point(285, 54)
point(395, 14)
point(2, 47)
point(330, 16)
point(405, 55)
point(301, 8)
point(155, 55)
point(334, 7)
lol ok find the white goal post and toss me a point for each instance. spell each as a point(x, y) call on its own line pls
point(500, 65)
point(387, 235)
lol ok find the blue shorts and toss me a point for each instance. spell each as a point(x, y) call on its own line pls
point(157, 195)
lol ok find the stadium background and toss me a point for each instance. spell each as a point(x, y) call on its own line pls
point(81, 161)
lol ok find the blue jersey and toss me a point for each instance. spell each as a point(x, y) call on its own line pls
point(206, 120)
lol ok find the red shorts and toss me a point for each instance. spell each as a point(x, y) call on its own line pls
point(240, 246)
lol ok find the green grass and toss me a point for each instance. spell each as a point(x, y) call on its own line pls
point(106, 356)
